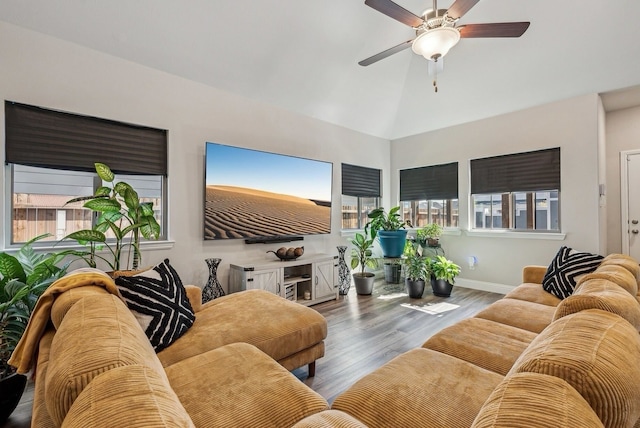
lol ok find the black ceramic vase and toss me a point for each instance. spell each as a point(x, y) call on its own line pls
point(213, 289)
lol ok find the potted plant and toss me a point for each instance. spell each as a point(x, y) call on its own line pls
point(361, 255)
point(389, 228)
point(443, 277)
point(417, 270)
point(23, 278)
point(120, 211)
point(429, 235)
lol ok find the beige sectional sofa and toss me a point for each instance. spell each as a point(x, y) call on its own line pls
point(96, 367)
point(528, 360)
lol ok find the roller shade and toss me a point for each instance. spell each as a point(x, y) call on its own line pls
point(429, 182)
point(360, 181)
point(520, 172)
point(52, 139)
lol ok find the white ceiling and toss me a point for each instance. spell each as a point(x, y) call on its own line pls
point(302, 55)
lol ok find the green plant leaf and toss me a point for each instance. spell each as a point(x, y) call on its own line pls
point(104, 172)
point(88, 235)
point(103, 205)
point(150, 228)
point(131, 199)
point(121, 188)
point(103, 191)
point(11, 268)
point(147, 209)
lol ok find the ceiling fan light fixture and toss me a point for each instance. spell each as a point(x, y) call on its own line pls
point(435, 43)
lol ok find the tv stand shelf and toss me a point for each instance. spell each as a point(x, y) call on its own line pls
point(309, 280)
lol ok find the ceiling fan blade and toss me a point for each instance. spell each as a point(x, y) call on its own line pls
point(384, 54)
point(500, 29)
point(396, 12)
point(460, 7)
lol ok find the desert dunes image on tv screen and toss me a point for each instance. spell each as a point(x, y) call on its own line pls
point(251, 193)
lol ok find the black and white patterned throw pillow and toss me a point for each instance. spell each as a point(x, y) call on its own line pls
point(565, 268)
point(159, 302)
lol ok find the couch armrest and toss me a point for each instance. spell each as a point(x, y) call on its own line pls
point(533, 274)
point(194, 294)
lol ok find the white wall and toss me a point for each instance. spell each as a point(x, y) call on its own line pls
point(623, 133)
point(44, 71)
point(571, 125)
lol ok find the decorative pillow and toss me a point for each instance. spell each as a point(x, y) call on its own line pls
point(159, 302)
point(566, 266)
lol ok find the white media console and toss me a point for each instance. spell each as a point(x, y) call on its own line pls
point(311, 279)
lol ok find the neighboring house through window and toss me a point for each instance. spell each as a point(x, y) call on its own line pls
point(360, 194)
point(429, 194)
point(51, 155)
point(517, 191)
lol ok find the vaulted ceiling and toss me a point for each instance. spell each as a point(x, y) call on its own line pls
point(302, 55)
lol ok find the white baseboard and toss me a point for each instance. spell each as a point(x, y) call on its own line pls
point(483, 286)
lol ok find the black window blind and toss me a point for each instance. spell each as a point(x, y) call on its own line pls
point(519, 172)
point(52, 139)
point(360, 181)
point(429, 182)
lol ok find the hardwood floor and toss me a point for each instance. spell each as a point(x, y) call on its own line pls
point(367, 331)
point(364, 333)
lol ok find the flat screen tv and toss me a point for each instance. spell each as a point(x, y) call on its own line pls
point(251, 194)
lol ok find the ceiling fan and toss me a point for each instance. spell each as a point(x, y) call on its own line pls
point(437, 30)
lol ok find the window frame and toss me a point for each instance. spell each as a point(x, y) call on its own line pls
point(506, 176)
point(10, 242)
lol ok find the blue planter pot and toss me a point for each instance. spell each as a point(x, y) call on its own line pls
point(392, 242)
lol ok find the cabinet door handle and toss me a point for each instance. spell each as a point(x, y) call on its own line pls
point(278, 288)
point(316, 279)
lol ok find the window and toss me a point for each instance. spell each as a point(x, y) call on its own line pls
point(518, 191)
point(360, 194)
point(50, 158)
point(429, 194)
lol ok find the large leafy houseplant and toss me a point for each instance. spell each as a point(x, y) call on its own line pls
point(24, 276)
point(429, 234)
point(379, 219)
point(389, 229)
point(121, 212)
point(445, 269)
point(362, 255)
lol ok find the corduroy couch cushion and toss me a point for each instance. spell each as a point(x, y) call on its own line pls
point(587, 350)
point(532, 400)
point(289, 328)
point(129, 396)
point(249, 389)
point(627, 262)
point(616, 274)
point(81, 354)
point(519, 313)
point(420, 388)
point(64, 301)
point(534, 293)
point(598, 293)
point(487, 344)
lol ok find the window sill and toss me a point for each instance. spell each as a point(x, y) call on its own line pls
point(551, 236)
point(69, 245)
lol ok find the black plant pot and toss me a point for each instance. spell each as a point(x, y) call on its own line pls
point(364, 282)
point(11, 389)
point(441, 287)
point(415, 288)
